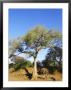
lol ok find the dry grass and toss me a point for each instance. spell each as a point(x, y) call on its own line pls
point(21, 75)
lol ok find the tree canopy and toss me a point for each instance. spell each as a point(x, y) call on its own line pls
point(41, 36)
point(35, 40)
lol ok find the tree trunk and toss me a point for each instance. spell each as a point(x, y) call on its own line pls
point(35, 70)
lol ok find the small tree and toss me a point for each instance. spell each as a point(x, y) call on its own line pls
point(34, 41)
point(53, 59)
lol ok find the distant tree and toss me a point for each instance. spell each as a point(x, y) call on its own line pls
point(35, 40)
point(55, 53)
point(53, 58)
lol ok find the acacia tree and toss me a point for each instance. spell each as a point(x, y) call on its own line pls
point(35, 40)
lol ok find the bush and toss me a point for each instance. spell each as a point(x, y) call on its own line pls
point(17, 66)
point(11, 65)
point(50, 65)
point(22, 64)
point(51, 69)
point(26, 64)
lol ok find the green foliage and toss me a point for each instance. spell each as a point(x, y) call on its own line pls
point(51, 69)
point(34, 34)
point(36, 39)
point(51, 59)
point(42, 32)
point(39, 37)
point(21, 64)
point(50, 65)
point(13, 46)
point(11, 65)
point(26, 64)
point(17, 66)
point(39, 33)
point(54, 53)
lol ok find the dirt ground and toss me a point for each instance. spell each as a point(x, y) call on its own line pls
point(21, 75)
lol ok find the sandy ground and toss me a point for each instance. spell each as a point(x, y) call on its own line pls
point(21, 75)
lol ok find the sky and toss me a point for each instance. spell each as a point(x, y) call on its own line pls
point(23, 20)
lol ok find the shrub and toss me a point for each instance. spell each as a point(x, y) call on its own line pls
point(11, 65)
point(22, 64)
point(17, 66)
point(52, 69)
point(26, 64)
point(50, 65)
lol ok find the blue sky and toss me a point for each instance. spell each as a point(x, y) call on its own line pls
point(22, 20)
